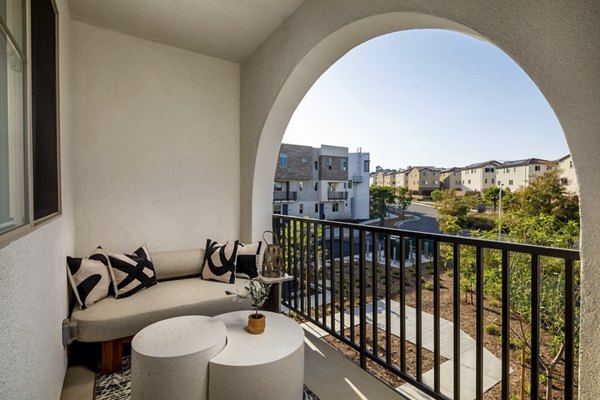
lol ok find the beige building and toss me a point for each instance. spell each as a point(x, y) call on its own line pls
point(389, 178)
point(519, 173)
point(567, 174)
point(423, 180)
point(451, 178)
point(402, 178)
point(478, 177)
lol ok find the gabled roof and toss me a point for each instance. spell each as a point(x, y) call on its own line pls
point(519, 163)
point(481, 164)
point(453, 169)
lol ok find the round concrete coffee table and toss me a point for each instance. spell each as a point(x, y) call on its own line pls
point(169, 359)
point(269, 366)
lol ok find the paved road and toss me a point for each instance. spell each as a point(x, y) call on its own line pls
point(426, 222)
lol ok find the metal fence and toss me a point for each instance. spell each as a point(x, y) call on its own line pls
point(341, 270)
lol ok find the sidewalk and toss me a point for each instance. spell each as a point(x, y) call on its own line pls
point(492, 366)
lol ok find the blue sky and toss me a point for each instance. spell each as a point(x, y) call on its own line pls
point(428, 97)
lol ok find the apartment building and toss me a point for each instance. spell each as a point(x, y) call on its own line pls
point(326, 182)
point(451, 178)
point(478, 177)
point(402, 178)
point(519, 173)
point(423, 180)
point(389, 178)
point(567, 174)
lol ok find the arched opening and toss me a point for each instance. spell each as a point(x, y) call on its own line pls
point(304, 70)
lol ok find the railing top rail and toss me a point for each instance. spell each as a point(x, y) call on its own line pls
point(568, 254)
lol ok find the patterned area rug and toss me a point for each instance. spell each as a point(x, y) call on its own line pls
point(117, 386)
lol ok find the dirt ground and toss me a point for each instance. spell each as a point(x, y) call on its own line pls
point(492, 331)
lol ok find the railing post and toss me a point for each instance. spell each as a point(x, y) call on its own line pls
point(456, 315)
point(479, 323)
point(535, 326)
point(362, 301)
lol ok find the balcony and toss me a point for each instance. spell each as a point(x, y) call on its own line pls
point(337, 195)
point(455, 317)
point(285, 196)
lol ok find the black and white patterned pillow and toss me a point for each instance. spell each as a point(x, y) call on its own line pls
point(131, 273)
point(89, 277)
point(247, 260)
point(219, 261)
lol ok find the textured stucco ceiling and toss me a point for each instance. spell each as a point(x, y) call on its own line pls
point(228, 29)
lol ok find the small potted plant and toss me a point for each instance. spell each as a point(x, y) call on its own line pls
point(258, 292)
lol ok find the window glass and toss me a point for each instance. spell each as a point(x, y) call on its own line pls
point(278, 186)
point(283, 160)
point(316, 186)
point(367, 166)
point(336, 207)
point(316, 207)
point(44, 109)
point(301, 208)
point(13, 162)
point(300, 186)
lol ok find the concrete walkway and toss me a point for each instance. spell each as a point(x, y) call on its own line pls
point(492, 366)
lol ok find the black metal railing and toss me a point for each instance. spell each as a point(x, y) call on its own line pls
point(284, 196)
point(337, 195)
point(342, 270)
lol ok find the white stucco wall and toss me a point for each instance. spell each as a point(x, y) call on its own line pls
point(556, 43)
point(33, 283)
point(156, 146)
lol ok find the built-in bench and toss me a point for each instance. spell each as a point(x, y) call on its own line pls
point(180, 291)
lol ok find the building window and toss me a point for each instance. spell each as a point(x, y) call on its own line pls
point(316, 186)
point(344, 164)
point(331, 187)
point(329, 163)
point(335, 207)
point(316, 165)
point(276, 208)
point(499, 183)
point(537, 168)
point(469, 181)
point(485, 180)
point(301, 208)
point(17, 191)
point(570, 164)
point(367, 166)
point(13, 158)
point(349, 184)
point(492, 180)
point(316, 207)
point(345, 185)
point(424, 173)
point(489, 170)
point(283, 160)
point(44, 110)
point(510, 182)
point(278, 186)
point(300, 186)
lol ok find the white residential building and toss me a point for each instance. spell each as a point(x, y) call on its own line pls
point(567, 174)
point(325, 183)
point(519, 173)
point(478, 177)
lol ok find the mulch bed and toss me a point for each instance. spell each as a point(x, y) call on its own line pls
point(492, 322)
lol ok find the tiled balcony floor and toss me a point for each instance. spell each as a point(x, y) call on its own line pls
point(327, 373)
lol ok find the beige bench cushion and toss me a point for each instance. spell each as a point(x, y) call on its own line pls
point(112, 318)
point(178, 263)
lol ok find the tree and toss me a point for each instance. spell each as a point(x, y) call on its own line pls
point(403, 199)
point(452, 213)
point(380, 197)
point(491, 195)
point(438, 195)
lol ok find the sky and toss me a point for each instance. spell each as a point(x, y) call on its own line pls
point(428, 97)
